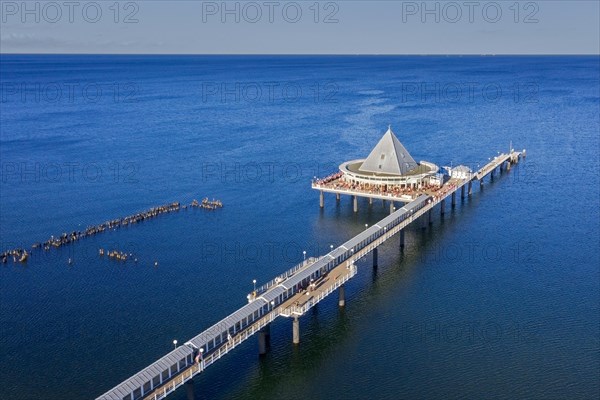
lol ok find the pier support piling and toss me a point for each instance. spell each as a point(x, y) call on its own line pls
point(391, 207)
point(189, 389)
point(296, 331)
point(262, 343)
point(263, 339)
point(402, 240)
point(321, 199)
point(429, 219)
point(370, 201)
point(355, 202)
point(462, 192)
point(337, 197)
point(375, 257)
point(470, 191)
point(454, 197)
point(442, 206)
point(341, 296)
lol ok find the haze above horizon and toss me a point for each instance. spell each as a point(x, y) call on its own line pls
point(301, 28)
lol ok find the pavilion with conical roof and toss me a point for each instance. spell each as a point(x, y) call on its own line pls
point(388, 164)
point(389, 173)
point(389, 156)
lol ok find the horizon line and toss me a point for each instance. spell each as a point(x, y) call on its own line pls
point(317, 54)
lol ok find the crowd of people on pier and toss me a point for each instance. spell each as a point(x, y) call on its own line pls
point(443, 190)
point(328, 179)
point(335, 181)
point(21, 255)
point(367, 188)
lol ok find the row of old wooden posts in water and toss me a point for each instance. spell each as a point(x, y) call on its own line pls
point(21, 255)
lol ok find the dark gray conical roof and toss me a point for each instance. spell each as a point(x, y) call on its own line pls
point(389, 156)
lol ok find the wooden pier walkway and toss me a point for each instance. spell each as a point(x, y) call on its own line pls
point(289, 295)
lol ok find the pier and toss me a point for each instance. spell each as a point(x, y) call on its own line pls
point(293, 293)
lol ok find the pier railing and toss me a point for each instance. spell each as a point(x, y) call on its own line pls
point(513, 156)
point(280, 278)
point(294, 310)
point(162, 391)
point(404, 198)
point(238, 339)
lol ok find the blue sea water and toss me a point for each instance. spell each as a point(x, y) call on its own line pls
point(499, 299)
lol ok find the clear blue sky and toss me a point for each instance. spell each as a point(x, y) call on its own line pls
point(284, 27)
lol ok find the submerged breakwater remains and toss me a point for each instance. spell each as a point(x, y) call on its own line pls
point(21, 255)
